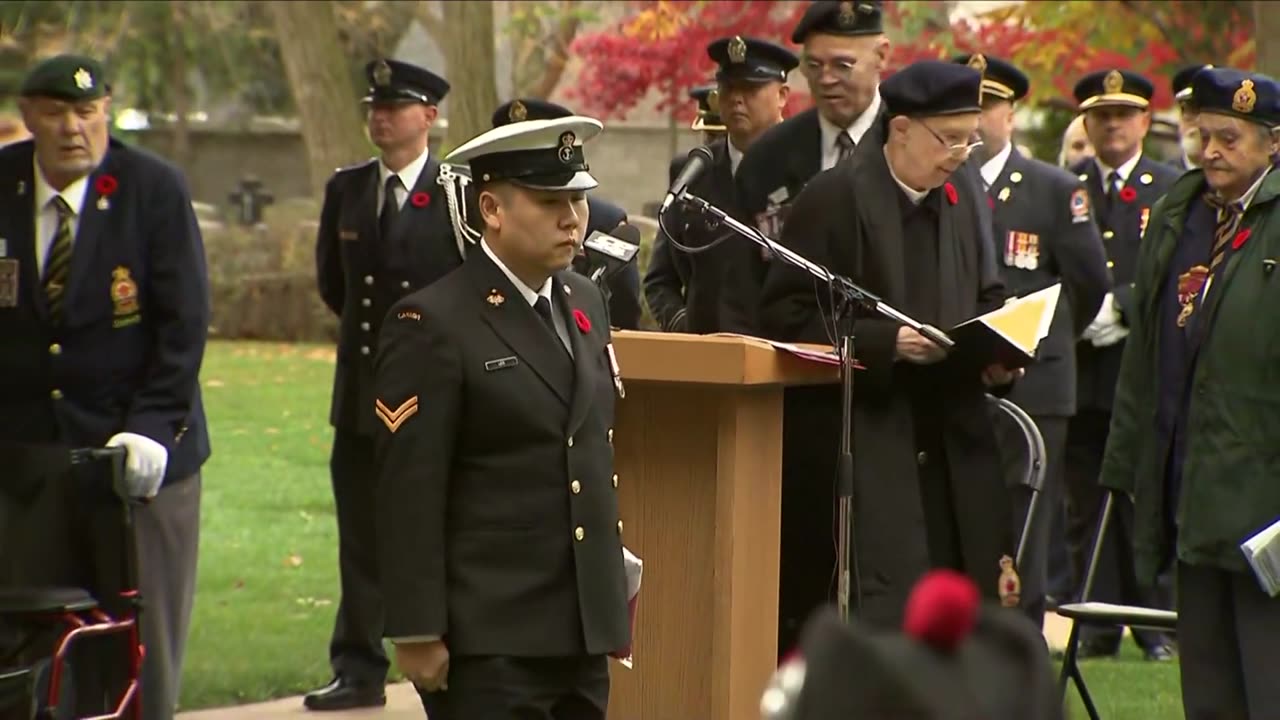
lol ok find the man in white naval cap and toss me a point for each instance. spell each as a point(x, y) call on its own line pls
point(499, 532)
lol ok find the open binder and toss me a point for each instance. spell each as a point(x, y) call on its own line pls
point(1008, 335)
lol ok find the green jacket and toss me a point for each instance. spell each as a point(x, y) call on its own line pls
point(1231, 473)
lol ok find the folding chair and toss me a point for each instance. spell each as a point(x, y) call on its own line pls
point(1034, 464)
point(1086, 613)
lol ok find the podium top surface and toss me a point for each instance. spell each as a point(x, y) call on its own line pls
point(677, 358)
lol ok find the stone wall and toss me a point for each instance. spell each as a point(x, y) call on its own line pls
point(629, 160)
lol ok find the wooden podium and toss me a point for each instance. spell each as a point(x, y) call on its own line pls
point(698, 452)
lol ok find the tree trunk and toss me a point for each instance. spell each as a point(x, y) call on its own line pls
point(178, 86)
point(1266, 28)
point(469, 63)
point(322, 91)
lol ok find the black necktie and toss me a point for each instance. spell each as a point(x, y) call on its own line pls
point(543, 306)
point(1113, 177)
point(390, 208)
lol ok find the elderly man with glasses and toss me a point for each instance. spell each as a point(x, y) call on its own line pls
point(896, 219)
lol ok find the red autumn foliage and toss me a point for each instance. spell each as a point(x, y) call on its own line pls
point(622, 64)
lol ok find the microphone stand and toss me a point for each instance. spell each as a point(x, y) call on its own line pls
point(853, 296)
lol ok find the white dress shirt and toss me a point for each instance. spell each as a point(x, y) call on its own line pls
point(1124, 171)
point(859, 128)
point(992, 168)
point(531, 296)
point(735, 156)
point(408, 179)
point(47, 214)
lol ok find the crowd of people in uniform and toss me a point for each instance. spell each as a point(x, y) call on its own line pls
point(475, 384)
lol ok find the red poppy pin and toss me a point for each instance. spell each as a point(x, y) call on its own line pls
point(1128, 194)
point(991, 203)
point(1241, 238)
point(105, 185)
point(952, 197)
point(420, 199)
point(584, 322)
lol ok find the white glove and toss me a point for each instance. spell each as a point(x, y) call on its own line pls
point(144, 465)
point(1106, 329)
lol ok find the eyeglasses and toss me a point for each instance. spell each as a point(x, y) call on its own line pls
point(840, 68)
point(958, 150)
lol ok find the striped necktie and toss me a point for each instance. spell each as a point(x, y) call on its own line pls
point(844, 145)
point(57, 264)
point(1229, 217)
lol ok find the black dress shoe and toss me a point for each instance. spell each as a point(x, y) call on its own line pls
point(1159, 653)
point(344, 694)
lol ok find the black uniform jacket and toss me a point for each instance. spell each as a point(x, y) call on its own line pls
point(1122, 222)
point(771, 175)
point(1045, 234)
point(497, 498)
point(684, 290)
point(126, 356)
point(848, 220)
point(361, 275)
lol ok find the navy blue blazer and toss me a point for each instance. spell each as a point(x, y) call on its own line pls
point(126, 356)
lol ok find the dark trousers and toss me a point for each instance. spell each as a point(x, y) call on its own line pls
point(517, 688)
point(807, 571)
point(71, 534)
point(1227, 634)
point(355, 649)
point(1115, 579)
point(1034, 571)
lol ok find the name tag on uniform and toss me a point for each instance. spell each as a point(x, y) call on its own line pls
point(8, 282)
point(501, 363)
point(348, 235)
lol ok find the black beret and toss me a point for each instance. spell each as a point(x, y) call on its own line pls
point(1181, 83)
point(932, 87)
point(522, 109)
point(708, 97)
point(751, 59)
point(1114, 87)
point(1000, 78)
point(66, 77)
point(839, 18)
point(1250, 96)
point(395, 81)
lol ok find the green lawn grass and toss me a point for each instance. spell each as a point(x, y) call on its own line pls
point(268, 577)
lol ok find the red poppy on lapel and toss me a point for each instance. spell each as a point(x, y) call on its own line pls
point(991, 203)
point(420, 199)
point(1241, 238)
point(952, 197)
point(1128, 194)
point(584, 322)
point(106, 184)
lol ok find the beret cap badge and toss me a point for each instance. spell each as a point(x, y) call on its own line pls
point(978, 62)
point(846, 17)
point(1245, 98)
point(83, 79)
point(737, 49)
point(1113, 83)
point(381, 73)
point(518, 112)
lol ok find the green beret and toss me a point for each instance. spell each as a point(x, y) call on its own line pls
point(67, 77)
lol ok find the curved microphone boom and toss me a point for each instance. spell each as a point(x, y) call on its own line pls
point(700, 158)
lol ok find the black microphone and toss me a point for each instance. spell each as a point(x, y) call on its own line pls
point(699, 160)
point(607, 253)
